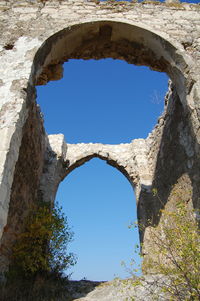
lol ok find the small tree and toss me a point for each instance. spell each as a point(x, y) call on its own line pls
point(42, 246)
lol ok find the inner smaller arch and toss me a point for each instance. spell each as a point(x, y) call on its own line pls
point(100, 205)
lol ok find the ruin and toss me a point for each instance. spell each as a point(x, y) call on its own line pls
point(37, 38)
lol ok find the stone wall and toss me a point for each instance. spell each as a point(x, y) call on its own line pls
point(37, 37)
point(28, 170)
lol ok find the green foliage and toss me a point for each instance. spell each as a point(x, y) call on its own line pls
point(39, 258)
point(176, 254)
point(42, 246)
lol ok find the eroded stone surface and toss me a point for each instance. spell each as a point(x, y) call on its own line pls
point(147, 289)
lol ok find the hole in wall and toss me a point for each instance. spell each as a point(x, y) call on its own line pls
point(8, 46)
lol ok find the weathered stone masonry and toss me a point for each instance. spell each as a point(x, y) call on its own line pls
point(36, 38)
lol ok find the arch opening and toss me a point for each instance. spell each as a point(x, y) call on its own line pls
point(133, 44)
point(83, 156)
point(100, 206)
point(109, 39)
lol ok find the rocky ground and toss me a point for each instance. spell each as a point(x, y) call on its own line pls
point(116, 290)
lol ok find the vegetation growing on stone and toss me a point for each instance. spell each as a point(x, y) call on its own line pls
point(43, 244)
point(176, 258)
point(39, 256)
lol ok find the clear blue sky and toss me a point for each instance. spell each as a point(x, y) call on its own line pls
point(106, 101)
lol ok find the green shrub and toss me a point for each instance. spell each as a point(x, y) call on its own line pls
point(175, 255)
point(39, 258)
point(42, 246)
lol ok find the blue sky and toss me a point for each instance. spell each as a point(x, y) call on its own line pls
point(106, 101)
point(99, 101)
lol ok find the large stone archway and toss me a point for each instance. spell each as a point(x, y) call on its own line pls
point(37, 38)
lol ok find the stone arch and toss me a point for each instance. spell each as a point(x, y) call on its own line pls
point(118, 40)
point(129, 158)
point(115, 155)
point(139, 45)
point(35, 159)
